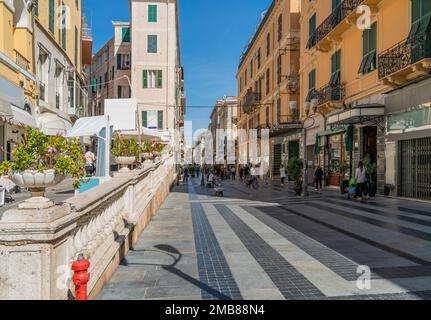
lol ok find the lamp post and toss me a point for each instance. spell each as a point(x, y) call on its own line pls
point(314, 104)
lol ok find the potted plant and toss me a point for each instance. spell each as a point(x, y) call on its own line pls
point(295, 168)
point(371, 171)
point(156, 149)
point(125, 152)
point(41, 162)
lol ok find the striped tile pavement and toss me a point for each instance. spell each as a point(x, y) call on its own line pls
point(268, 244)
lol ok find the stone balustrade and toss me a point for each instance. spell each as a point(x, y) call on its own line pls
point(38, 246)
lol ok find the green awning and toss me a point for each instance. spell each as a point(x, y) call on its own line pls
point(331, 132)
point(349, 138)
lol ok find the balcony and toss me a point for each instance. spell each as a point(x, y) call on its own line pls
point(339, 21)
point(251, 102)
point(329, 97)
point(285, 123)
point(406, 61)
point(22, 61)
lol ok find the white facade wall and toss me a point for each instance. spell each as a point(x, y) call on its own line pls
point(166, 59)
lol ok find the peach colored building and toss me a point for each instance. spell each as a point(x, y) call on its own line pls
point(268, 81)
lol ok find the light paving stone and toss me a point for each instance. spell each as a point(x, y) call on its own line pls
point(255, 277)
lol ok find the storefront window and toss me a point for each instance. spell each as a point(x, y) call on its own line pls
point(413, 119)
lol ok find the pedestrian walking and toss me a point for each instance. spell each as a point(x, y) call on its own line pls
point(241, 174)
point(283, 175)
point(233, 172)
point(361, 178)
point(318, 178)
point(186, 175)
point(90, 159)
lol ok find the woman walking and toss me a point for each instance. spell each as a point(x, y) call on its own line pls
point(361, 178)
point(282, 175)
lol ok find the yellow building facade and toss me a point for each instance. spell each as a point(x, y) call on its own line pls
point(18, 88)
point(356, 54)
point(268, 82)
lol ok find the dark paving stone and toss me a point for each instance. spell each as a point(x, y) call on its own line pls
point(291, 283)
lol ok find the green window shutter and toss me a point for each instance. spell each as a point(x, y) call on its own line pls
point(425, 25)
point(369, 56)
point(335, 4)
point(118, 61)
point(94, 86)
point(76, 46)
point(311, 84)
point(311, 31)
point(126, 34)
point(152, 44)
point(159, 81)
point(152, 13)
point(51, 15)
point(144, 119)
point(160, 120)
point(145, 79)
point(36, 8)
point(416, 10)
point(335, 66)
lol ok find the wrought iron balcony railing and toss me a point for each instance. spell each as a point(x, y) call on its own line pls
point(329, 93)
point(404, 54)
point(336, 17)
point(252, 99)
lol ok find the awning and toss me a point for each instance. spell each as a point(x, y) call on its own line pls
point(11, 93)
point(22, 118)
point(5, 108)
point(331, 132)
point(87, 127)
point(52, 125)
point(356, 115)
point(145, 134)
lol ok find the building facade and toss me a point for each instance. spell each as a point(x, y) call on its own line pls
point(268, 82)
point(111, 70)
point(18, 84)
point(364, 70)
point(62, 95)
point(157, 75)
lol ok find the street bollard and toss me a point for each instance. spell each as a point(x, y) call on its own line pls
point(81, 277)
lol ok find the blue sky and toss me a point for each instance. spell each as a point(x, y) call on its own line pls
point(213, 34)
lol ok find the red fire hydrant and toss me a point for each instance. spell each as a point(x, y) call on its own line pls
point(81, 277)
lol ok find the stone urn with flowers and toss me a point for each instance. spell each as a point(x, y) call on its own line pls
point(125, 151)
point(40, 162)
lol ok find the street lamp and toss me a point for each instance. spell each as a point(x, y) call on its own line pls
point(308, 104)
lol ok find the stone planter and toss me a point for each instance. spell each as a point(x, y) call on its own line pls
point(125, 162)
point(36, 183)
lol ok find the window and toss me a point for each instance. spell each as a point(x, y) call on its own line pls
point(268, 81)
point(152, 79)
point(280, 27)
point(311, 32)
point(76, 46)
point(63, 28)
point(268, 44)
point(123, 61)
point(51, 15)
point(421, 18)
point(369, 52)
point(245, 77)
point(279, 65)
point(267, 117)
point(278, 110)
point(251, 69)
point(152, 119)
point(36, 8)
point(258, 58)
point(125, 34)
point(123, 92)
point(152, 44)
point(311, 84)
point(152, 13)
point(335, 68)
point(335, 4)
